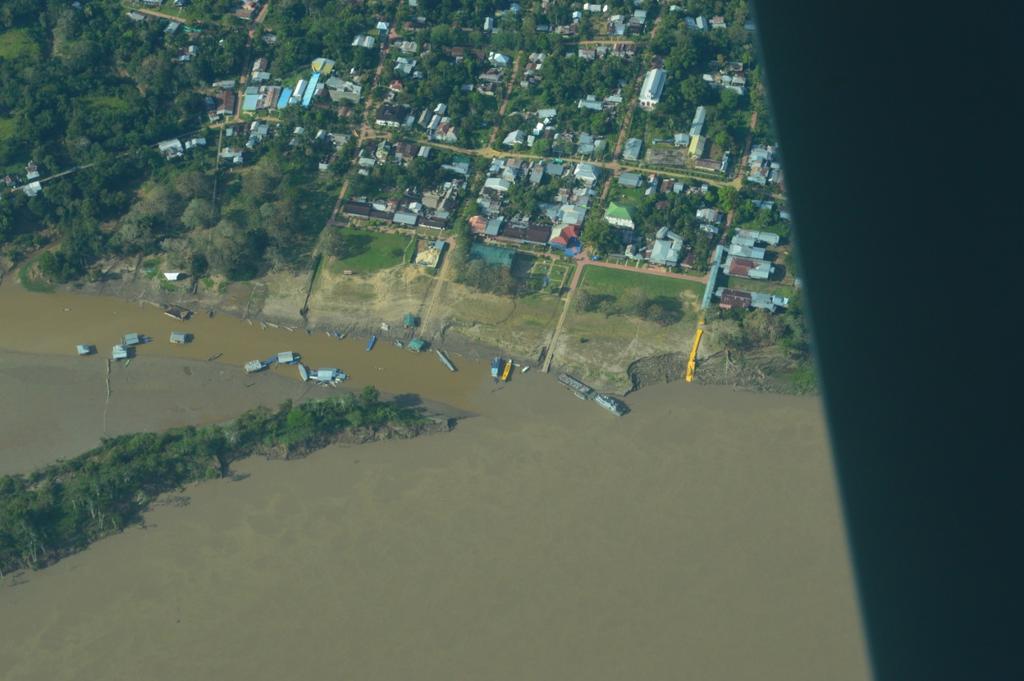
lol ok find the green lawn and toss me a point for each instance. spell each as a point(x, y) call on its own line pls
point(6, 127)
point(17, 43)
point(369, 251)
point(601, 280)
point(108, 102)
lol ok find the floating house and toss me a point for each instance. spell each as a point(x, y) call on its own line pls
point(120, 352)
point(287, 357)
point(328, 375)
point(85, 349)
point(255, 365)
point(131, 339)
point(180, 337)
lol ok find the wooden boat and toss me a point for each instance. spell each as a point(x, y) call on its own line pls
point(370, 343)
point(444, 360)
point(507, 370)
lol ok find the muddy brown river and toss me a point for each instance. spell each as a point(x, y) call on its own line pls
point(698, 537)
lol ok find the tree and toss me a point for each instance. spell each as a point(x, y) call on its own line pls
point(601, 237)
point(199, 214)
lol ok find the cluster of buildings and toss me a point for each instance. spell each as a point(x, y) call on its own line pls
point(746, 255)
point(621, 50)
point(730, 77)
point(699, 23)
point(432, 207)
point(29, 184)
point(557, 223)
point(763, 168)
point(173, 148)
point(493, 77)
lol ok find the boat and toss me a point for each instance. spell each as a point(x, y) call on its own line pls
point(370, 343)
point(339, 336)
point(214, 356)
point(255, 365)
point(398, 343)
point(444, 360)
point(303, 372)
point(495, 368)
point(507, 370)
point(578, 387)
point(611, 404)
point(526, 367)
point(177, 312)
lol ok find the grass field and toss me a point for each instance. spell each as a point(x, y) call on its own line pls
point(369, 251)
point(6, 127)
point(17, 43)
point(109, 102)
point(613, 282)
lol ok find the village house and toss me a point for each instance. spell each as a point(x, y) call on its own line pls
point(618, 215)
point(667, 249)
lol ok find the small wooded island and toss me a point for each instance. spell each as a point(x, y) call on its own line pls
point(62, 508)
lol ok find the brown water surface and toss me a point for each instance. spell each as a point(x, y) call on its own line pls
point(56, 323)
point(698, 537)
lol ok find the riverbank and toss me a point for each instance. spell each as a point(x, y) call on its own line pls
point(462, 320)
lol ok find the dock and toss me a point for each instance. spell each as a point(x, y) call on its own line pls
point(691, 364)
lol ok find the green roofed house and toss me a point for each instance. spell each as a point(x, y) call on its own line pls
point(492, 255)
point(417, 344)
point(618, 215)
point(409, 321)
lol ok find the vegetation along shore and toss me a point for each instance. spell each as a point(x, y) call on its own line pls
point(62, 508)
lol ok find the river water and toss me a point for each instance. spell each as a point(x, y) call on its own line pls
point(55, 323)
point(697, 537)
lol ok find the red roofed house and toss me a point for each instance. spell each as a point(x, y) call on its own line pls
point(563, 238)
point(477, 224)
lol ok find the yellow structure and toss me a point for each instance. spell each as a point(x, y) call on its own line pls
point(691, 366)
point(507, 371)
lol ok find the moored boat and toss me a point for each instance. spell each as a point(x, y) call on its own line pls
point(495, 368)
point(611, 404)
point(370, 343)
point(508, 370)
point(444, 360)
point(255, 365)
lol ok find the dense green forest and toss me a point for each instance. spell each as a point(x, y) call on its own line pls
point(86, 87)
point(62, 508)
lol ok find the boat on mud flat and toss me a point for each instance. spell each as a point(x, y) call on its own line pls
point(398, 343)
point(495, 368)
point(370, 343)
point(303, 372)
point(444, 360)
point(507, 370)
point(255, 365)
point(526, 367)
point(611, 404)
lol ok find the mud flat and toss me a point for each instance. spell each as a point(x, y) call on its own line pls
point(697, 537)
